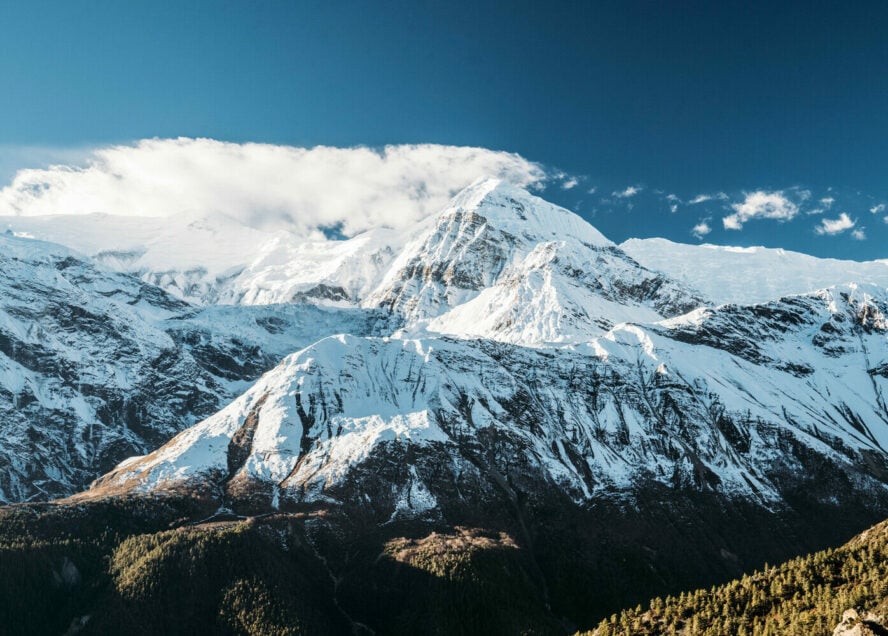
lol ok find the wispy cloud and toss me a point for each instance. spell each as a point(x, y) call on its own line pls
point(835, 226)
point(570, 183)
point(264, 185)
point(703, 198)
point(760, 205)
point(877, 209)
point(859, 234)
point(827, 202)
point(628, 193)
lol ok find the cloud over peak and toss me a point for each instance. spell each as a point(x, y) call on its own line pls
point(264, 185)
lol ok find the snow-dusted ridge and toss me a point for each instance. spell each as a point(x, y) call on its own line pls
point(213, 259)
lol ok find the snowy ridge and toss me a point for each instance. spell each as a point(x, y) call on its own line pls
point(746, 275)
point(213, 259)
point(337, 273)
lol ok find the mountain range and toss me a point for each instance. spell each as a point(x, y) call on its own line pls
point(610, 422)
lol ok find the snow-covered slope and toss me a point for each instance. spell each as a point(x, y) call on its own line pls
point(747, 275)
point(337, 273)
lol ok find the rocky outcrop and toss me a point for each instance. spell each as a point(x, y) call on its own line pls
point(861, 623)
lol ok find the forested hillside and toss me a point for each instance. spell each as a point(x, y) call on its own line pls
point(803, 597)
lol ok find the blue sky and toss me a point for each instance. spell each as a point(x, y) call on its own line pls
point(767, 108)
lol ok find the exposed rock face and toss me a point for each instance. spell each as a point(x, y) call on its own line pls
point(861, 623)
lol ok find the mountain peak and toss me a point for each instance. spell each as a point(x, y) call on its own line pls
point(514, 210)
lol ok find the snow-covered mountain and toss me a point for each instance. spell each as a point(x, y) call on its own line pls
point(691, 402)
point(501, 264)
point(526, 353)
point(503, 345)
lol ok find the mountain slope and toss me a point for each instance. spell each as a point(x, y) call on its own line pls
point(96, 366)
point(695, 400)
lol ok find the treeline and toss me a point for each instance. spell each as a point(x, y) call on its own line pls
point(113, 568)
point(803, 597)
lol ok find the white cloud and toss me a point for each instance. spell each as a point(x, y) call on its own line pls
point(570, 183)
point(701, 229)
point(592, 190)
point(835, 226)
point(673, 208)
point(628, 193)
point(876, 209)
point(760, 205)
point(859, 234)
point(827, 202)
point(264, 185)
point(703, 198)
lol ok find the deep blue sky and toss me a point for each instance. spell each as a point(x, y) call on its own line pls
point(680, 97)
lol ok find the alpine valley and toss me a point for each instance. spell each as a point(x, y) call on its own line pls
point(498, 421)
